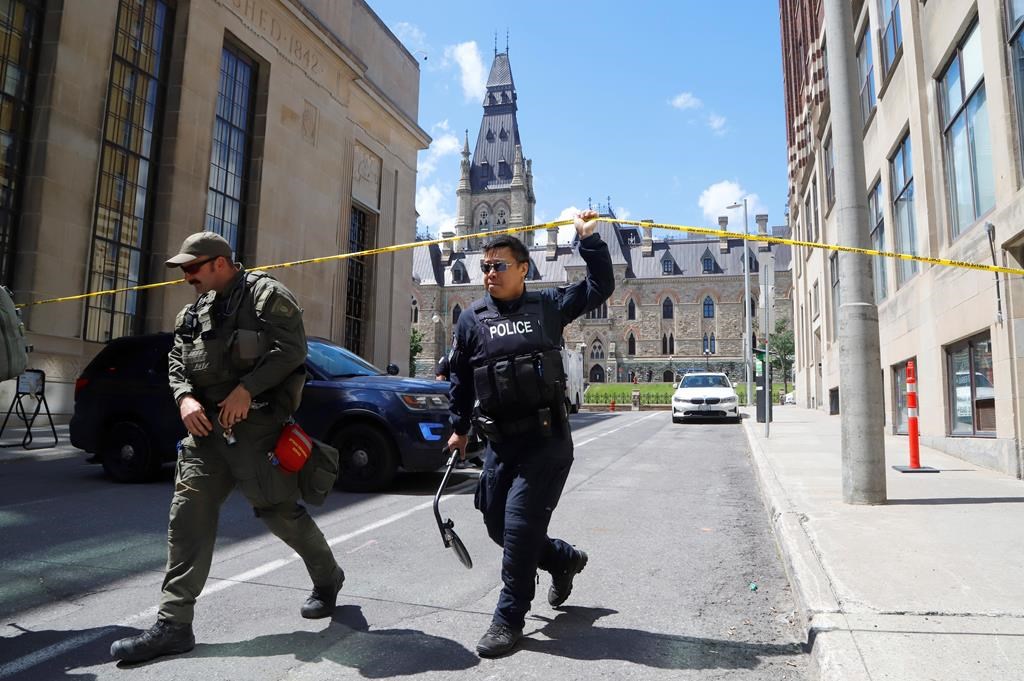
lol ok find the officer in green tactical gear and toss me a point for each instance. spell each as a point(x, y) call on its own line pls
point(236, 370)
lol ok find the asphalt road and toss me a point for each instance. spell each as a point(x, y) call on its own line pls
point(684, 579)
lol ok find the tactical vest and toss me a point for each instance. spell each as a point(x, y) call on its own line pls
point(223, 342)
point(14, 356)
point(522, 371)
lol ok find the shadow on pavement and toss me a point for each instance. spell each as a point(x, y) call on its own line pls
point(54, 654)
point(573, 635)
point(375, 654)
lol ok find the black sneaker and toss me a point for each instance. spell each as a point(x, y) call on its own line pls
point(561, 585)
point(163, 638)
point(322, 600)
point(499, 639)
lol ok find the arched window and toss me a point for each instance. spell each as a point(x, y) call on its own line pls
point(600, 312)
point(456, 311)
point(664, 344)
point(671, 344)
point(706, 349)
point(631, 343)
point(501, 216)
point(666, 309)
point(712, 344)
point(415, 312)
point(631, 310)
point(668, 377)
point(597, 350)
point(459, 274)
point(709, 308)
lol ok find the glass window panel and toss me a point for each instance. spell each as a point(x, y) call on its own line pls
point(960, 174)
point(1016, 8)
point(962, 418)
point(983, 381)
point(981, 148)
point(952, 91)
point(900, 405)
point(971, 56)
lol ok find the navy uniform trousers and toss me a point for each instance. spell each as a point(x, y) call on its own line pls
point(518, 490)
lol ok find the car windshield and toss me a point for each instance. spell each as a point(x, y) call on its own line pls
point(704, 382)
point(337, 362)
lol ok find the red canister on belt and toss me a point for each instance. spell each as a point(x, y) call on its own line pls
point(292, 449)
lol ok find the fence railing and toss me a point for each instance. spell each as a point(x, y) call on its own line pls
point(625, 397)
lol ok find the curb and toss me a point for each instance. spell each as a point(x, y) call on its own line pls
point(832, 648)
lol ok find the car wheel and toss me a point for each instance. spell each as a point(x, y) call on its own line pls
point(127, 453)
point(367, 458)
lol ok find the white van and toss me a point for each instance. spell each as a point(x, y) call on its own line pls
point(573, 363)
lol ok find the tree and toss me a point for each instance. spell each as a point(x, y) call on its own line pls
point(415, 348)
point(783, 349)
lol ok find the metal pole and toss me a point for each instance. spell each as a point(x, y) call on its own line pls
point(860, 374)
point(769, 276)
point(748, 354)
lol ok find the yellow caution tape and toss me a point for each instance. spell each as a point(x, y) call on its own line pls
point(718, 233)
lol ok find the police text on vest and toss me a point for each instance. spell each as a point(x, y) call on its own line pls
point(509, 327)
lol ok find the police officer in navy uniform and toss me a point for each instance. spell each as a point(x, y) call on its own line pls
point(506, 355)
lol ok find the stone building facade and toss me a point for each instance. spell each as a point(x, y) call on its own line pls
point(941, 97)
point(288, 126)
point(674, 299)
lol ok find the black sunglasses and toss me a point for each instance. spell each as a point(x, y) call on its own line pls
point(192, 268)
point(499, 266)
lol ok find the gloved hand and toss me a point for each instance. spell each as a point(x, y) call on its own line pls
point(585, 223)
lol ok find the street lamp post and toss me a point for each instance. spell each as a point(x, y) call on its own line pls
point(439, 346)
point(747, 358)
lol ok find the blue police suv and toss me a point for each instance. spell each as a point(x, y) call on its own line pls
point(126, 418)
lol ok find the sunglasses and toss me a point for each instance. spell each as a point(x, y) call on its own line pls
point(192, 268)
point(499, 266)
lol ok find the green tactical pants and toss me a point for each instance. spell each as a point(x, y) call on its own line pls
point(207, 470)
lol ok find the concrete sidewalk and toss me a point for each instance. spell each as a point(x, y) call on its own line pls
point(928, 586)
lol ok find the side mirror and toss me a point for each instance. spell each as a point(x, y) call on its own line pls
point(392, 369)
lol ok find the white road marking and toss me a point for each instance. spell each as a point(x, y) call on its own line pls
point(40, 656)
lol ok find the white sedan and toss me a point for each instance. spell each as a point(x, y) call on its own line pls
point(705, 395)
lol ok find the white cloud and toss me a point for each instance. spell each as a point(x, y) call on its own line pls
point(717, 124)
point(443, 144)
point(434, 204)
point(471, 66)
point(715, 199)
point(411, 36)
point(622, 213)
point(686, 100)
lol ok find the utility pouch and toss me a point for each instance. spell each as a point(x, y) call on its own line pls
point(244, 346)
point(317, 477)
point(485, 392)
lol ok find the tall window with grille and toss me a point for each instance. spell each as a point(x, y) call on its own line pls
point(876, 214)
point(1015, 36)
point(232, 147)
point(902, 174)
point(833, 261)
point(128, 163)
point(891, 34)
point(866, 72)
point(967, 140)
point(20, 23)
point(830, 173)
point(359, 291)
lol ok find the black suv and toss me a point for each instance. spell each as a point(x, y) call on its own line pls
point(126, 416)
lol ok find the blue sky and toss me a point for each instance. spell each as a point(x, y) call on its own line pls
point(673, 109)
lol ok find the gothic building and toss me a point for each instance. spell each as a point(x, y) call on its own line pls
point(678, 303)
point(496, 187)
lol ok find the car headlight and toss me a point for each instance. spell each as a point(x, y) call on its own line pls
point(677, 398)
point(728, 400)
point(419, 402)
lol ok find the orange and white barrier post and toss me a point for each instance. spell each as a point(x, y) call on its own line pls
point(913, 433)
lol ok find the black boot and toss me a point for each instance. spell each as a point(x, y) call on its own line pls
point(163, 638)
point(561, 585)
point(499, 639)
point(322, 600)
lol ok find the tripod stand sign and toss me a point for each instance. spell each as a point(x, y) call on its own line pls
point(32, 384)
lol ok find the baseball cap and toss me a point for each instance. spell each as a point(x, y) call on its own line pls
point(201, 245)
